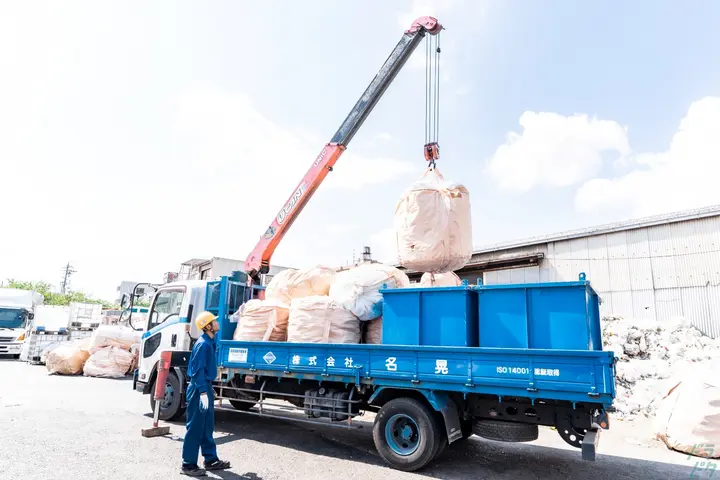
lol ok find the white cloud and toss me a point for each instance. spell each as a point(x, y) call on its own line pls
point(554, 151)
point(683, 176)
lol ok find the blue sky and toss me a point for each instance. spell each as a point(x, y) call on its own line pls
point(212, 112)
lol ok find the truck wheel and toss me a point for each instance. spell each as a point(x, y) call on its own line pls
point(170, 408)
point(406, 434)
point(505, 431)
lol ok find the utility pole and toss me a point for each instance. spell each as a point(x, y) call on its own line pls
point(68, 270)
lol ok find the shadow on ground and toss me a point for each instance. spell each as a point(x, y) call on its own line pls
point(474, 458)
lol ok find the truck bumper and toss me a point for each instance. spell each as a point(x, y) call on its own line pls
point(10, 348)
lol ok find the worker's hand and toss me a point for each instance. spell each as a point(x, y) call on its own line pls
point(203, 402)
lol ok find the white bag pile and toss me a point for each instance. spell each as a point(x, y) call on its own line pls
point(433, 225)
point(113, 351)
point(358, 289)
point(649, 355)
point(318, 319)
point(262, 320)
point(290, 284)
point(688, 419)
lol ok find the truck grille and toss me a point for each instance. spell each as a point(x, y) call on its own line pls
point(6, 339)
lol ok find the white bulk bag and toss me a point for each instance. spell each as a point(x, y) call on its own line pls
point(688, 419)
point(358, 289)
point(318, 319)
point(433, 226)
point(112, 336)
point(290, 284)
point(448, 279)
point(68, 358)
point(109, 362)
point(262, 320)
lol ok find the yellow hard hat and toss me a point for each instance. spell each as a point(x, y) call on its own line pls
point(204, 319)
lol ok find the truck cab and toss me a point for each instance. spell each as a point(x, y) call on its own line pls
point(17, 310)
point(170, 326)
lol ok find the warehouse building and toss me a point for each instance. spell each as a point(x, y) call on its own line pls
point(655, 268)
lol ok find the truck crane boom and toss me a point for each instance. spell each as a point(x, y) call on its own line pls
point(258, 262)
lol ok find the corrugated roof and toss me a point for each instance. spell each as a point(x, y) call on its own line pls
point(712, 211)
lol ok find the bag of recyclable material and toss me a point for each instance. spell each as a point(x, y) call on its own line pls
point(373, 331)
point(433, 226)
point(688, 419)
point(68, 358)
point(290, 284)
point(318, 319)
point(108, 362)
point(112, 336)
point(448, 279)
point(358, 289)
point(262, 320)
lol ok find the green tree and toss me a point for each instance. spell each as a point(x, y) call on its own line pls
point(52, 298)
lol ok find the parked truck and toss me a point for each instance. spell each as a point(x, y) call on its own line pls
point(17, 309)
point(495, 361)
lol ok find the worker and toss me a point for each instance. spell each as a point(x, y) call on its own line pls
point(202, 370)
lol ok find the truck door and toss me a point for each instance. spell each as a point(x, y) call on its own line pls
point(167, 328)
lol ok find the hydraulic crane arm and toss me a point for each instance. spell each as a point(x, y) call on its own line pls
point(259, 260)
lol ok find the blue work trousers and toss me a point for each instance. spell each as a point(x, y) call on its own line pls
point(200, 425)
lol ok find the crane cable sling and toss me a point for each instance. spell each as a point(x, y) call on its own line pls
point(432, 91)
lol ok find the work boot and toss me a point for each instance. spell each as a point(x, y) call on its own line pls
point(192, 471)
point(217, 464)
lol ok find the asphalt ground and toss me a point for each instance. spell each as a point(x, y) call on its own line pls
point(55, 427)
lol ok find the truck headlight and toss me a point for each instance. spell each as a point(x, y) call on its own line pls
point(21, 337)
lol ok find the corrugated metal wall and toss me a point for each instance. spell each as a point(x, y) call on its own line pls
point(657, 272)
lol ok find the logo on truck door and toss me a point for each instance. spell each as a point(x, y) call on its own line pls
point(291, 204)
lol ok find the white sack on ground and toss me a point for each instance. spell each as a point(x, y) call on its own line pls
point(373, 332)
point(433, 225)
point(318, 319)
point(688, 419)
point(112, 336)
point(448, 279)
point(650, 354)
point(358, 289)
point(68, 358)
point(109, 362)
point(262, 320)
point(290, 284)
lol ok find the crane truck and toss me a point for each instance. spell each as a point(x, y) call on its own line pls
point(499, 380)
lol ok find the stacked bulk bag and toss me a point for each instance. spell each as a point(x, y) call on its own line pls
point(262, 320)
point(318, 319)
point(290, 284)
point(433, 226)
point(113, 336)
point(448, 279)
point(358, 289)
point(373, 332)
point(109, 362)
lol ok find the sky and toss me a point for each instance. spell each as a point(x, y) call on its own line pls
point(135, 136)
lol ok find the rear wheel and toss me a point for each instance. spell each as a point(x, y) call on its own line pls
point(170, 405)
point(406, 434)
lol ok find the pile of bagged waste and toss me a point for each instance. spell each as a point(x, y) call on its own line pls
point(650, 356)
point(112, 351)
point(320, 305)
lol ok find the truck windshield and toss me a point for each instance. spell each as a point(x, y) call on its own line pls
point(12, 318)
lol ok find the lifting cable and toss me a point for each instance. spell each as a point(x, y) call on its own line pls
point(432, 98)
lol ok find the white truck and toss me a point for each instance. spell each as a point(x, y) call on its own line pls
point(17, 309)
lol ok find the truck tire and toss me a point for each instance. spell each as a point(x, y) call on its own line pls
point(406, 434)
point(170, 407)
point(240, 405)
point(505, 431)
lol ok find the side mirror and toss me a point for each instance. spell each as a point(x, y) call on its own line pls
point(125, 300)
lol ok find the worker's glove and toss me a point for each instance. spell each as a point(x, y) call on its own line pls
point(203, 402)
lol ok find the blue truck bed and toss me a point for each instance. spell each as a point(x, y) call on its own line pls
point(572, 375)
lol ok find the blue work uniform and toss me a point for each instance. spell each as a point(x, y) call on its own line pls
point(202, 371)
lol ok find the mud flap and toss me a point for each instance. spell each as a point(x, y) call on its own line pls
point(590, 444)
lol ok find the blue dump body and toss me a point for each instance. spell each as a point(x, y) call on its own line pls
point(535, 341)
